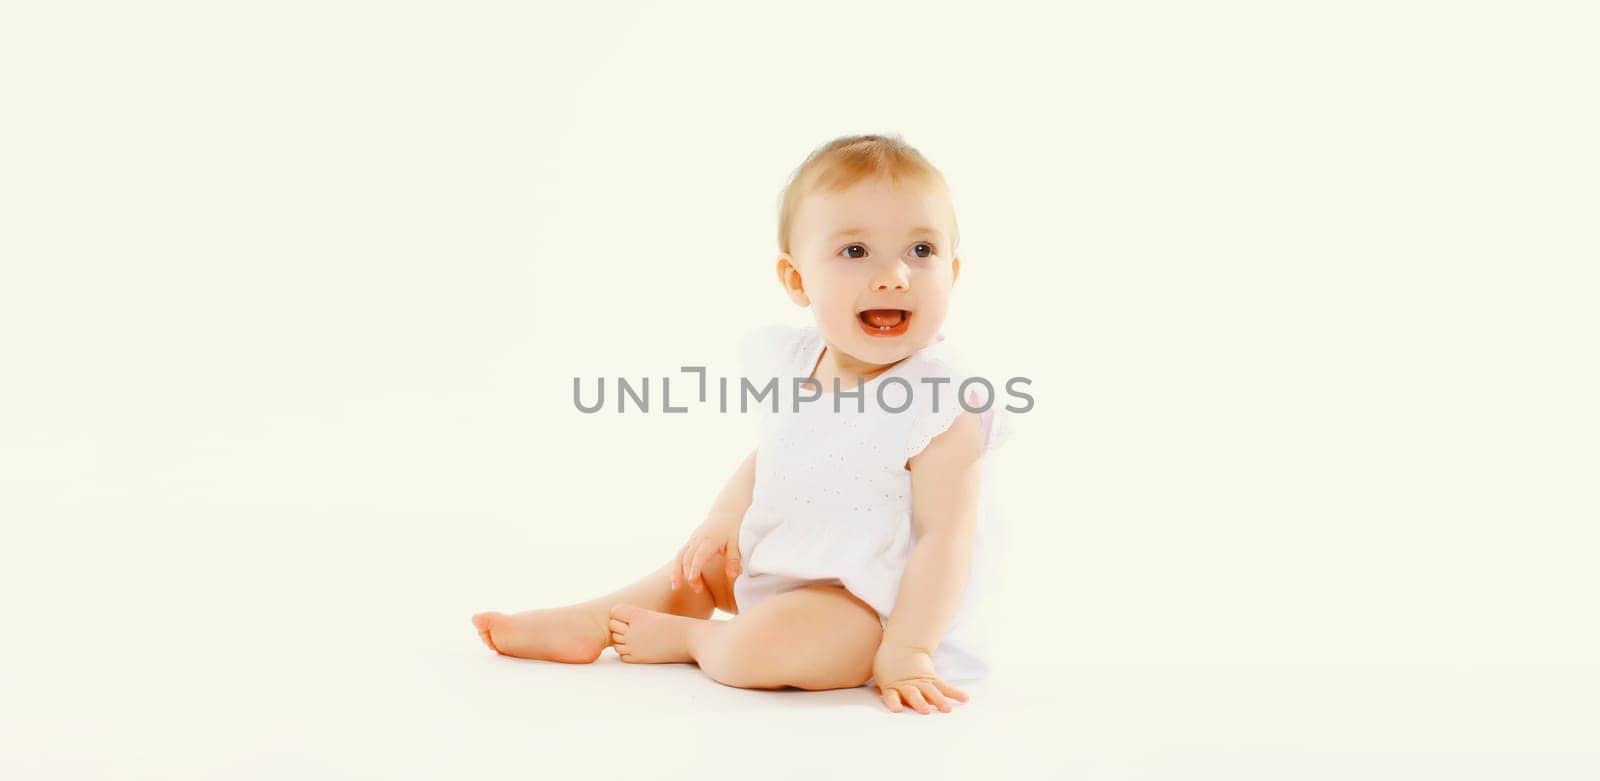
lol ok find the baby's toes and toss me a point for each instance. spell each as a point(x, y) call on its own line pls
point(621, 616)
point(485, 624)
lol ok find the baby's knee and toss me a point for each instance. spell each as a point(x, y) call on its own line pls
point(749, 653)
point(769, 655)
point(757, 638)
point(814, 638)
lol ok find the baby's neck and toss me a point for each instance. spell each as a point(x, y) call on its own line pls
point(850, 374)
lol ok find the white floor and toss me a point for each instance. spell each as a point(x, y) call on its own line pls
point(96, 702)
point(208, 641)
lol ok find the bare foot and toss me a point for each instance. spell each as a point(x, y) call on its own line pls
point(644, 636)
point(572, 634)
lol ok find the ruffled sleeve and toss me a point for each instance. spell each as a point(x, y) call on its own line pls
point(764, 352)
point(928, 424)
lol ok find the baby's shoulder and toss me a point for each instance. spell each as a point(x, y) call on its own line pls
point(953, 387)
point(766, 350)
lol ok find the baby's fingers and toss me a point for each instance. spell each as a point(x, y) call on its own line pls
point(933, 695)
point(951, 690)
point(697, 557)
point(681, 571)
point(683, 561)
point(701, 553)
point(891, 698)
point(914, 696)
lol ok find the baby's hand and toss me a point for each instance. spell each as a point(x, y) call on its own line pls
point(718, 534)
point(907, 674)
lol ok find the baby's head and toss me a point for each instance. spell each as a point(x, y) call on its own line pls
point(866, 223)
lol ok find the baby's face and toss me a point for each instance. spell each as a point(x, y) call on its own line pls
point(874, 246)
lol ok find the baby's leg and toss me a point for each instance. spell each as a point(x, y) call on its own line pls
point(578, 633)
point(814, 637)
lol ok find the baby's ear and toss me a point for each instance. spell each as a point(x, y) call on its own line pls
point(789, 278)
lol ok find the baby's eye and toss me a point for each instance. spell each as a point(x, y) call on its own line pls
point(854, 246)
point(930, 247)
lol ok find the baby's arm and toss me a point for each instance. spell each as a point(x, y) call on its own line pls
point(945, 479)
point(739, 492)
point(719, 532)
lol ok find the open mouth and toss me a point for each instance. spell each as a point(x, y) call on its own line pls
point(884, 322)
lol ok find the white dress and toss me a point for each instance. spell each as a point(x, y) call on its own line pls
point(832, 496)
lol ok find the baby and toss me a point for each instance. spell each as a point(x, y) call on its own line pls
point(844, 544)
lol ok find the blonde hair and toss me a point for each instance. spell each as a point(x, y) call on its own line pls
point(844, 161)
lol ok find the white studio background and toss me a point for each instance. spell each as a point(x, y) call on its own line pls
point(292, 296)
